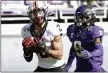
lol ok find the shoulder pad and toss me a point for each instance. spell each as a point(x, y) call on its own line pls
point(54, 29)
point(97, 32)
point(70, 31)
point(25, 30)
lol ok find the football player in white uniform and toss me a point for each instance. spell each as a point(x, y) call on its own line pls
point(43, 38)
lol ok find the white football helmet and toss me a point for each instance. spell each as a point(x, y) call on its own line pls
point(37, 12)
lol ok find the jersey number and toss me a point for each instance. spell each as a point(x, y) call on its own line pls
point(78, 48)
point(59, 27)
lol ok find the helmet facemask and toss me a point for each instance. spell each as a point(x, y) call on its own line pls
point(84, 18)
point(37, 14)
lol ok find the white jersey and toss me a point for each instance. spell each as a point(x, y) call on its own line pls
point(52, 30)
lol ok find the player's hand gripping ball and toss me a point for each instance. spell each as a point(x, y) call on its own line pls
point(28, 42)
point(31, 43)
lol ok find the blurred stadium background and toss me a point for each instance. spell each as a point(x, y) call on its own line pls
point(14, 17)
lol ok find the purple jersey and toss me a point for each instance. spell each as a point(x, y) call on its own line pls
point(84, 38)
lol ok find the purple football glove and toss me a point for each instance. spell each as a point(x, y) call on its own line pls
point(85, 54)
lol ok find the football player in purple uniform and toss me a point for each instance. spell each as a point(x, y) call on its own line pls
point(86, 38)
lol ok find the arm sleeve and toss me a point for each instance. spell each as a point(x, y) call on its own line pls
point(98, 33)
point(72, 52)
point(98, 50)
point(71, 57)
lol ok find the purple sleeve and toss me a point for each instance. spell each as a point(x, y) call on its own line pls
point(98, 50)
point(98, 32)
point(71, 57)
point(72, 53)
